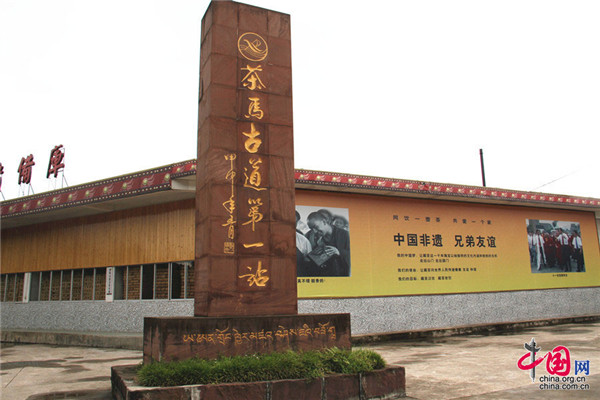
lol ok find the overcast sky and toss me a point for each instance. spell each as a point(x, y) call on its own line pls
point(400, 89)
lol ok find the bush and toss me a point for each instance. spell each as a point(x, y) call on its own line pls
point(345, 362)
point(264, 367)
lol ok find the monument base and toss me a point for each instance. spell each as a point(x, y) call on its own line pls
point(180, 338)
point(388, 383)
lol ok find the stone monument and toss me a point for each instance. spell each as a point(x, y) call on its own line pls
point(245, 256)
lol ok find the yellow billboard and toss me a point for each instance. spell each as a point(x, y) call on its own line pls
point(360, 245)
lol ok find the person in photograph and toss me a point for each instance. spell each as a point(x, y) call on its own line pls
point(326, 214)
point(330, 244)
point(576, 250)
point(304, 265)
point(532, 257)
point(312, 235)
point(565, 256)
point(555, 234)
point(549, 249)
point(340, 222)
point(538, 248)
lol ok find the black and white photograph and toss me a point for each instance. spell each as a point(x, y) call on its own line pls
point(322, 241)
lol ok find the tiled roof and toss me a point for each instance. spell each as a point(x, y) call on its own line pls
point(313, 178)
point(148, 181)
point(161, 178)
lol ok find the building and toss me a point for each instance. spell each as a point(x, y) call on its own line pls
point(98, 257)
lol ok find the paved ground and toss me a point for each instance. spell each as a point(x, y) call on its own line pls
point(485, 367)
point(35, 369)
point(466, 367)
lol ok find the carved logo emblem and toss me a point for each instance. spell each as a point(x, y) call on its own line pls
point(252, 46)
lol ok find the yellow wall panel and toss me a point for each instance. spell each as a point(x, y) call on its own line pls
point(402, 246)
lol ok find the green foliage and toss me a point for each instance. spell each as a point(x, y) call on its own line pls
point(264, 367)
point(344, 362)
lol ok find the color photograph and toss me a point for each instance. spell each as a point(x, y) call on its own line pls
point(555, 246)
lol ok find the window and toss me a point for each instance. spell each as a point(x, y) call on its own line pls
point(34, 286)
point(177, 280)
point(12, 287)
point(162, 281)
point(147, 281)
point(182, 280)
point(119, 279)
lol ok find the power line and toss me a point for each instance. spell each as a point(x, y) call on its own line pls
point(558, 179)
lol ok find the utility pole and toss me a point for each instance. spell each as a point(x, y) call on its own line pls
point(482, 169)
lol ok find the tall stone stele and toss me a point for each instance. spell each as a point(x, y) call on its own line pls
point(245, 298)
point(245, 221)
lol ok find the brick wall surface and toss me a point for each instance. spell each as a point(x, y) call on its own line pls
point(88, 284)
point(190, 281)
point(10, 288)
point(100, 284)
point(65, 291)
point(20, 282)
point(77, 284)
point(44, 293)
point(133, 282)
point(3, 280)
point(161, 290)
point(55, 295)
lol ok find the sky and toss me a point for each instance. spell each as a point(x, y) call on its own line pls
point(397, 89)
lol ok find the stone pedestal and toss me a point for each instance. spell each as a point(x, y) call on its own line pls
point(388, 383)
point(171, 339)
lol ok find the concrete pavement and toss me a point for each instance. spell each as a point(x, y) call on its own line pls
point(35, 371)
point(461, 367)
point(485, 367)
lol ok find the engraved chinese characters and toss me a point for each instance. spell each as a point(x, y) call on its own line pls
point(245, 233)
point(253, 48)
point(230, 206)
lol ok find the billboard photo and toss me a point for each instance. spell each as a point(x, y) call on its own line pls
point(322, 241)
point(555, 246)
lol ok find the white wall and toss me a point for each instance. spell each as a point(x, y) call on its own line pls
point(370, 315)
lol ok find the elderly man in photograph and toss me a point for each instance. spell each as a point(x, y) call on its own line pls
point(331, 246)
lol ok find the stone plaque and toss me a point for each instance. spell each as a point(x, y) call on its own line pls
point(170, 339)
